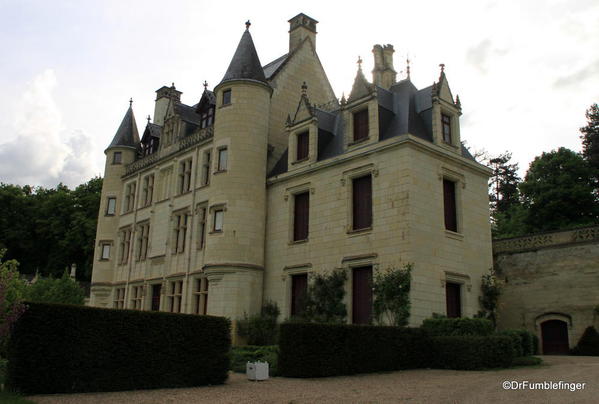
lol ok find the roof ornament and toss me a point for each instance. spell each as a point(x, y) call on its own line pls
point(247, 25)
point(458, 103)
point(205, 85)
point(343, 100)
point(442, 66)
point(359, 63)
point(408, 66)
point(304, 89)
point(130, 102)
point(148, 118)
point(173, 85)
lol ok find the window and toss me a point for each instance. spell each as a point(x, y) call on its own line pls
point(156, 290)
point(299, 287)
point(105, 251)
point(179, 233)
point(226, 97)
point(453, 299)
point(143, 233)
point(184, 176)
point(136, 297)
point(130, 197)
point(303, 144)
point(362, 203)
point(174, 296)
point(125, 238)
point(222, 159)
point(218, 220)
point(446, 125)
point(111, 206)
point(200, 296)
point(165, 183)
point(117, 157)
point(360, 125)
point(449, 205)
point(362, 295)
point(202, 227)
point(119, 298)
point(207, 117)
point(301, 216)
point(206, 167)
point(148, 190)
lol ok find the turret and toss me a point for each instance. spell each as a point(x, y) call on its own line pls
point(234, 257)
point(119, 153)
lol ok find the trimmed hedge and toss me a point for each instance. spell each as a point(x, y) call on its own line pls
point(241, 355)
point(523, 341)
point(443, 326)
point(319, 350)
point(588, 344)
point(473, 352)
point(64, 349)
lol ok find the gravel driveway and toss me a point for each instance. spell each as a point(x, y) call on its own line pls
point(409, 386)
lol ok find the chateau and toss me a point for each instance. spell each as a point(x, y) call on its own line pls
point(270, 178)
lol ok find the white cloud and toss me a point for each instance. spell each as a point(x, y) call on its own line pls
point(39, 150)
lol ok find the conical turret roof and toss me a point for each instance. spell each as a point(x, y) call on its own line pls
point(245, 63)
point(127, 134)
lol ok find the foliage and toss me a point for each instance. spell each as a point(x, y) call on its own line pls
point(260, 329)
point(490, 291)
point(320, 350)
point(324, 298)
point(516, 341)
point(66, 349)
point(50, 290)
point(588, 344)
point(241, 355)
point(392, 296)
point(47, 230)
point(12, 289)
point(469, 352)
point(503, 184)
point(527, 361)
point(590, 141)
point(443, 326)
point(511, 223)
point(535, 344)
point(558, 192)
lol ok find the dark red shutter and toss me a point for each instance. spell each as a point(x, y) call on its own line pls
point(299, 286)
point(449, 205)
point(302, 145)
point(156, 297)
point(362, 202)
point(301, 217)
point(362, 295)
point(453, 299)
point(361, 125)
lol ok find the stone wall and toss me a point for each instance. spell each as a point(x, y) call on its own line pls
point(549, 276)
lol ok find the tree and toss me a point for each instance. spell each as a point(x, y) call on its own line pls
point(590, 140)
point(56, 290)
point(503, 184)
point(558, 192)
point(12, 290)
point(392, 296)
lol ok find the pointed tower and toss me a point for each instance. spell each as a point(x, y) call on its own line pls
point(119, 153)
point(234, 257)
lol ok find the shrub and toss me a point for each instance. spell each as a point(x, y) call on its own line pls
point(473, 352)
point(392, 296)
point(443, 326)
point(260, 329)
point(516, 341)
point(324, 298)
point(588, 344)
point(535, 344)
point(56, 290)
point(64, 349)
point(241, 355)
point(318, 350)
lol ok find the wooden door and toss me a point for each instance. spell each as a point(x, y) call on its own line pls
point(555, 337)
point(362, 295)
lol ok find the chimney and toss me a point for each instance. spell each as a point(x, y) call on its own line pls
point(301, 27)
point(383, 74)
point(164, 96)
point(377, 72)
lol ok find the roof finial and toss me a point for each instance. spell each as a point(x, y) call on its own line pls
point(173, 85)
point(247, 24)
point(148, 118)
point(359, 63)
point(442, 66)
point(205, 85)
point(304, 88)
point(408, 65)
point(130, 102)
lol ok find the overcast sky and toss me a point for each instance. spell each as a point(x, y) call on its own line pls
point(525, 71)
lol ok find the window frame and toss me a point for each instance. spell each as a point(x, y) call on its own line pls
point(206, 171)
point(201, 287)
point(360, 126)
point(302, 146)
point(219, 211)
point(117, 160)
point(355, 207)
point(180, 224)
point(301, 233)
point(175, 296)
point(136, 297)
point(103, 246)
point(119, 298)
point(446, 123)
point(222, 164)
point(450, 205)
point(110, 212)
point(226, 97)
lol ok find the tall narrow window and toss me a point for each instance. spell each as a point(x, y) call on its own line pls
point(105, 254)
point(130, 196)
point(299, 287)
point(148, 190)
point(136, 297)
point(222, 159)
point(117, 157)
point(207, 118)
point(111, 206)
point(362, 295)
point(143, 233)
point(119, 298)
point(301, 216)
point(303, 145)
point(449, 205)
point(174, 296)
point(200, 296)
point(206, 167)
point(180, 232)
point(362, 202)
point(360, 125)
point(453, 299)
point(226, 97)
point(184, 176)
point(165, 183)
point(156, 290)
point(218, 220)
point(125, 238)
point(202, 227)
point(446, 125)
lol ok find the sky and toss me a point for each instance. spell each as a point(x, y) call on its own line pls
point(525, 71)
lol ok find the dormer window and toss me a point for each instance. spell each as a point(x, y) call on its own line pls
point(446, 127)
point(303, 143)
point(208, 115)
point(226, 97)
point(360, 125)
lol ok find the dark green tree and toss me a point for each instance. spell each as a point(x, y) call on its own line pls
point(324, 298)
point(56, 290)
point(503, 184)
point(558, 192)
point(590, 141)
point(391, 304)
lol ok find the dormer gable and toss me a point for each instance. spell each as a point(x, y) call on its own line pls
point(445, 115)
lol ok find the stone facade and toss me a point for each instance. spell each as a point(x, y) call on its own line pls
point(549, 276)
point(204, 217)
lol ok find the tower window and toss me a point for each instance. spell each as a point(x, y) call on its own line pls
point(449, 205)
point(226, 97)
point(362, 202)
point(218, 220)
point(111, 206)
point(105, 251)
point(301, 216)
point(446, 125)
point(222, 159)
point(360, 125)
point(303, 145)
point(117, 157)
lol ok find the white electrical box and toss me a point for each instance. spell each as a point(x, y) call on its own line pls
point(256, 370)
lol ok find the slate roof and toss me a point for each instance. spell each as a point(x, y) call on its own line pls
point(127, 134)
point(245, 63)
point(188, 114)
point(272, 68)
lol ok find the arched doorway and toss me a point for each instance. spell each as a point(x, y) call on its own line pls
point(555, 337)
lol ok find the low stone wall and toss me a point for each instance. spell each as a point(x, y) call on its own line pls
point(549, 276)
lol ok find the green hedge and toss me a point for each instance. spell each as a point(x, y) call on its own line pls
point(318, 350)
point(443, 326)
point(241, 355)
point(63, 349)
point(473, 352)
point(523, 340)
point(588, 344)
